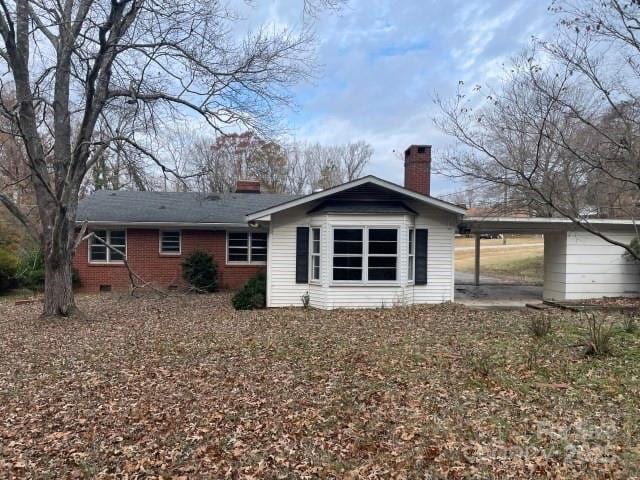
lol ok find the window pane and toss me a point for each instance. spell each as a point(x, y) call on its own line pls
point(383, 241)
point(99, 233)
point(239, 239)
point(259, 239)
point(383, 235)
point(411, 267)
point(118, 237)
point(348, 248)
point(382, 274)
point(98, 252)
point(383, 248)
point(411, 241)
point(353, 262)
point(380, 262)
point(315, 240)
point(315, 267)
point(238, 235)
point(238, 254)
point(258, 257)
point(347, 274)
point(115, 255)
point(347, 234)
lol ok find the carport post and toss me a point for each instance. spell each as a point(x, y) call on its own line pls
point(476, 270)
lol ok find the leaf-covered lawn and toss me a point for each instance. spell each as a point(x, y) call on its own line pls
point(187, 387)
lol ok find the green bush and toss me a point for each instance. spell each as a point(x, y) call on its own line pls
point(252, 295)
point(30, 271)
point(200, 271)
point(8, 266)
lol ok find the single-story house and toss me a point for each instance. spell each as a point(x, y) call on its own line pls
point(365, 243)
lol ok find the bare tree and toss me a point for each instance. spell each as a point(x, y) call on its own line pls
point(295, 168)
point(69, 68)
point(561, 133)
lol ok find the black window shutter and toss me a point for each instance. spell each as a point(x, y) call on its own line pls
point(302, 255)
point(422, 237)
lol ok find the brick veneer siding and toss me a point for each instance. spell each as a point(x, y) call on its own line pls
point(417, 169)
point(162, 270)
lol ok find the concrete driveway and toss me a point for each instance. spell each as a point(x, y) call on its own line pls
point(494, 292)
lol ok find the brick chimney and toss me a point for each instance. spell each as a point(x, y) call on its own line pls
point(247, 186)
point(417, 169)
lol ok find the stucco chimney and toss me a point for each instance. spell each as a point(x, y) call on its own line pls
point(247, 186)
point(417, 169)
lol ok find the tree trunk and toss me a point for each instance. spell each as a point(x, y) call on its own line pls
point(58, 287)
point(58, 255)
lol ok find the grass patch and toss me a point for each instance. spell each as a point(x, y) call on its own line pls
point(520, 264)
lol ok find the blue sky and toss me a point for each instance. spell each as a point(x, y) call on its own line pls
point(381, 62)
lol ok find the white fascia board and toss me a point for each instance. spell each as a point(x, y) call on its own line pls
point(550, 220)
point(260, 214)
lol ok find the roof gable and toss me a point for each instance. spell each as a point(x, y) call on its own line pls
point(366, 188)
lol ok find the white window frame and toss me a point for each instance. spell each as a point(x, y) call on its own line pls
point(365, 254)
point(411, 255)
point(313, 255)
point(249, 260)
point(170, 254)
point(108, 261)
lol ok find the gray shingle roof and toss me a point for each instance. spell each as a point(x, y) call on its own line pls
point(179, 207)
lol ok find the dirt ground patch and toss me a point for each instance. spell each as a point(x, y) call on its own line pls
point(186, 387)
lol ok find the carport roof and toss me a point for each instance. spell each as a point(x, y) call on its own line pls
point(536, 224)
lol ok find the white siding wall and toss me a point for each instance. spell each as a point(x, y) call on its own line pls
point(555, 250)
point(586, 266)
point(283, 291)
point(440, 255)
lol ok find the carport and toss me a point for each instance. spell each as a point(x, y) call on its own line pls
point(577, 263)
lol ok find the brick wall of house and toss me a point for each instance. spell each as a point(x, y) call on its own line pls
point(163, 270)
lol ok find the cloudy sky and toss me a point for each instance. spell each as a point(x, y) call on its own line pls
point(381, 62)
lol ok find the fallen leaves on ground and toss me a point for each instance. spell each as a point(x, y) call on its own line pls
point(185, 387)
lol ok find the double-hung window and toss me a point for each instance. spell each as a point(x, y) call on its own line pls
point(412, 254)
point(99, 252)
point(365, 254)
point(170, 242)
point(315, 253)
point(348, 253)
point(247, 247)
point(382, 256)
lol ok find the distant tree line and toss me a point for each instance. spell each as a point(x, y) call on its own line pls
point(208, 164)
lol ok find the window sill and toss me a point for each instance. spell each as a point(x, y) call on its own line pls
point(167, 254)
point(115, 263)
point(356, 283)
point(246, 264)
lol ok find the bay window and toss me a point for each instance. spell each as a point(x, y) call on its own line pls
point(246, 247)
point(365, 254)
point(99, 252)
